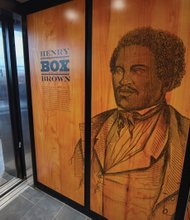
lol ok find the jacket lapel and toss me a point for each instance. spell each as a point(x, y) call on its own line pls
point(99, 140)
point(174, 159)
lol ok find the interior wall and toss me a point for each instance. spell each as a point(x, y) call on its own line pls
point(58, 93)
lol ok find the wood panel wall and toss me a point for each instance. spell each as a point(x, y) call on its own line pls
point(110, 24)
point(111, 20)
point(58, 105)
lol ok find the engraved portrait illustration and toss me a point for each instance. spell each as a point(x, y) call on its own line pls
point(138, 148)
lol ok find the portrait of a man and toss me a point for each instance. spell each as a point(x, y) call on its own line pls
point(138, 148)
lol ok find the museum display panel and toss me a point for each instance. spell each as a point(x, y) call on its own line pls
point(127, 89)
point(56, 43)
point(140, 119)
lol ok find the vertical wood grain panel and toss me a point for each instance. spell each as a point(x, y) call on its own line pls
point(112, 19)
point(58, 105)
point(110, 25)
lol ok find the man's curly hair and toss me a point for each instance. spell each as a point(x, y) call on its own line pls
point(168, 49)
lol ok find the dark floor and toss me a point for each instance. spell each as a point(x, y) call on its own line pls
point(33, 204)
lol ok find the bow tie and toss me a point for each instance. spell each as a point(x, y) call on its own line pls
point(125, 119)
point(129, 118)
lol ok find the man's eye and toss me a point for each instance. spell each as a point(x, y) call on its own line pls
point(138, 70)
point(119, 70)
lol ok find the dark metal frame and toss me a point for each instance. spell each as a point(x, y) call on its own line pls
point(88, 94)
point(29, 97)
point(36, 5)
point(33, 6)
point(13, 91)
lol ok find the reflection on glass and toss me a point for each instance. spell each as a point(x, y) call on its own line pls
point(22, 93)
point(118, 4)
point(7, 158)
point(72, 15)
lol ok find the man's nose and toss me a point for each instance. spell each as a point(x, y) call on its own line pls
point(127, 78)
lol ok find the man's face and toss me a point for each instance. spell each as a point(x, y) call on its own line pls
point(135, 84)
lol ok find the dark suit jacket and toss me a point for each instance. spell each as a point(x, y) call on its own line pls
point(165, 204)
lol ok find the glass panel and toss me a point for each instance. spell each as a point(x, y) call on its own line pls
point(7, 158)
point(22, 93)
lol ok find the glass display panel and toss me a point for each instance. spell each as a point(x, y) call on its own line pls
point(7, 157)
point(22, 94)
